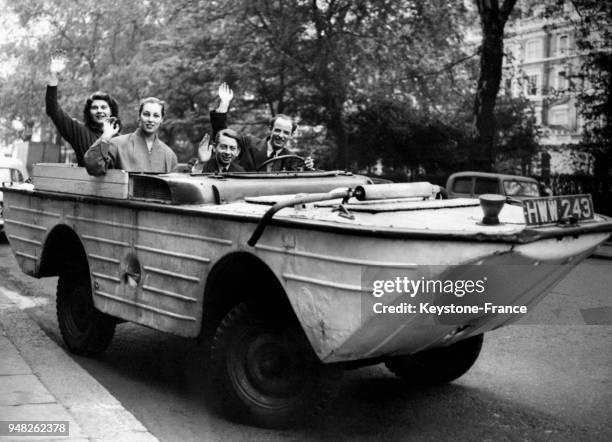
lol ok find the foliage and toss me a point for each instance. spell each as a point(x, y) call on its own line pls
point(367, 79)
point(394, 130)
point(592, 84)
point(595, 78)
point(316, 59)
point(402, 136)
point(102, 43)
point(517, 135)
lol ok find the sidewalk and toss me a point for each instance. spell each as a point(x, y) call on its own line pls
point(40, 382)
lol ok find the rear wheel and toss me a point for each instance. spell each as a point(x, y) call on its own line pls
point(264, 371)
point(86, 330)
point(439, 365)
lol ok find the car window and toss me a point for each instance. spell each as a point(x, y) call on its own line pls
point(486, 185)
point(462, 185)
point(5, 175)
point(521, 188)
point(13, 175)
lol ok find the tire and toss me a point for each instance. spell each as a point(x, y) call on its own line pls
point(85, 330)
point(439, 365)
point(265, 373)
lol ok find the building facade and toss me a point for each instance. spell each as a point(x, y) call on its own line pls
point(542, 60)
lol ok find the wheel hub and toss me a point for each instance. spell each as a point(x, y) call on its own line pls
point(272, 367)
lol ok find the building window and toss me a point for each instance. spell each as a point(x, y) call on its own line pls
point(561, 81)
point(559, 117)
point(545, 164)
point(533, 50)
point(510, 53)
point(532, 85)
point(538, 116)
point(562, 44)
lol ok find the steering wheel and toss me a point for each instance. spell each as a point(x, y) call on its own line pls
point(280, 158)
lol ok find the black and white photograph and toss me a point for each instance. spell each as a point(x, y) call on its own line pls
point(245, 220)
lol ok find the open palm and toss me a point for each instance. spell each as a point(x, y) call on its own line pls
point(204, 149)
point(58, 62)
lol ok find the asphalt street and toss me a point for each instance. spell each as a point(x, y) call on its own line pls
point(547, 378)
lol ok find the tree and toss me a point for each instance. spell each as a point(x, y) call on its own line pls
point(517, 135)
point(404, 139)
point(493, 18)
point(593, 83)
point(102, 42)
point(318, 59)
point(340, 50)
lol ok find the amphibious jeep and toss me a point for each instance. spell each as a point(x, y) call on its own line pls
point(271, 269)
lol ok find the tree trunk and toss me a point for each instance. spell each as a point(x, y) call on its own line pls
point(493, 20)
point(337, 127)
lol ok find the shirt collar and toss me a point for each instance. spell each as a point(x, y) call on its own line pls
point(139, 133)
point(271, 152)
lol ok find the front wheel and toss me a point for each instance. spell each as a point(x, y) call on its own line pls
point(439, 365)
point(264, 371)
point(86, 330)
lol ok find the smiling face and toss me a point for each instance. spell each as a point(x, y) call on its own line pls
point(282, 130)
point(99, 111)
point(150, 118)
point(226, 150)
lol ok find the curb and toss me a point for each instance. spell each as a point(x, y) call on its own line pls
point(604, 251)
point(56, 387)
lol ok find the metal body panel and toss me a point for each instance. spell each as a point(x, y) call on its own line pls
point(150, 261)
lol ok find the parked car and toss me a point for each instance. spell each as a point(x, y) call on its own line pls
point(472, 184)
point(11, 170)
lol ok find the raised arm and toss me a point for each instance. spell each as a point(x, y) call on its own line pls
point(204, 154)
point(71, 130)
point(226, 94)
point(61, 119)
point(218, 117)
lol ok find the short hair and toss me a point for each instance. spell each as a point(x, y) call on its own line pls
point(99, 95)
point(230, 133)
point(284, 117)
point(153, 100)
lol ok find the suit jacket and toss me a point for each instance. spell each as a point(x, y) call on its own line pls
point(253, 150)
point(212, 166)
point(129, 152)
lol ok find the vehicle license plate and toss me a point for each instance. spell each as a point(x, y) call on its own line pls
point(554, 209)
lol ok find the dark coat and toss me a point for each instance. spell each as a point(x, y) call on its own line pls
point(79, 135)
point(211, 166)
point(253, 150)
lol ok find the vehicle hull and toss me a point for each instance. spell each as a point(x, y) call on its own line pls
point(149, 264)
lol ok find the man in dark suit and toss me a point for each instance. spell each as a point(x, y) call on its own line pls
point(255, 151)
point(225, 149)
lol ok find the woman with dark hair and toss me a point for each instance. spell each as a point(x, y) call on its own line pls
point(99, 107)
point(89, 119)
